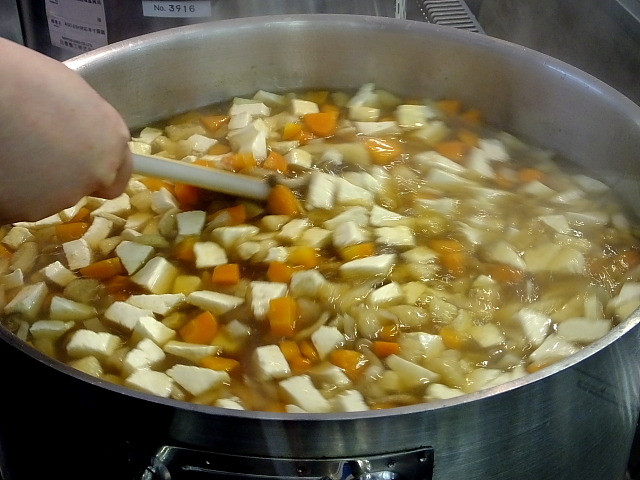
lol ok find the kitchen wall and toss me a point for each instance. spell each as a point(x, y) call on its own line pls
point(9, 22)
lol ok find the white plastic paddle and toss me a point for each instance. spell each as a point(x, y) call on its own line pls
point(210, 178)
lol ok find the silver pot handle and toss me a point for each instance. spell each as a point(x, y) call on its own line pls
point(177, 463)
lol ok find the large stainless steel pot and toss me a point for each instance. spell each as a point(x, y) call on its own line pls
point(574, 420)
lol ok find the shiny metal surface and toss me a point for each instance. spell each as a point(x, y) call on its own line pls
point(122, 19)
point(573, 420)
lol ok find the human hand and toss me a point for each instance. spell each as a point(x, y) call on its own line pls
point(59, 140)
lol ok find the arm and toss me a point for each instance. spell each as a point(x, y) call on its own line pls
point(59, 140)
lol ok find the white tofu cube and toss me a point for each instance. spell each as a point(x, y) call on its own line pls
point(254, 109)
point(158, 332)
point(150, 381)
point(133, 255)
point(162, 200)
point(299, 158)
point(156, 276)
point(301, 107)
point(326, 339)
point(146, 354)
point(398, 236)
point(198, 143)
point(315, 237)
point(377, 265)
point(191, 223)
point(193, 352)
point(416, 345)
point(270, 362)
point(261, 293)
point(349, 194)
point(349, 233)
point(321, 191)
point(197, 380)
point(215, 302)
point(125, 315)
point(230, 236)
point(583, 330)
point(438, 391)
point(78, 253)
point(350, 401)
point(553, 349)
point(292, 230)
point(249, 139)
point(99, 344)
point(358, 215)
point(28, 300)
point(209, 254)
point(535, 325)
point(16, 237)
point(68, 310)
point(160, 304)
point(57, 273)
point(52, 329)
point(119, 206)
point(385, 295)
point(412, 374)
point(99, 229)
point(307, 283)
point(300, 391)
point(381, 217)
point(487, 335)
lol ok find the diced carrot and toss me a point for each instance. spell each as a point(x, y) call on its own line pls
point(445, 245)
point(201, 329)
point(188, 196)
point(384, 151)
point(473, 116)
point(290, 131)
point(290, 349)
point(452, 149)
point(303, 256)
point(627, 260)
point(222, 364)
point(282, 201)
point(120, 287)
point(218, 149)
point(351, 361)
point(241, 161)
point(505, 274)
point(156, 184)
point(308, 349)
point(275, 161)
point(229, 216)
point(227, 274)
point(213, 122)
point(451, 338)
point(322, 124)
point(383, 348)
point(330, 108)
point(389, 332)
point(279, 272)
point(467, 137)
point(4, 251)
point(530, 174)
point(184, 249)
point(453, 262)
point(282, 315)
point(449, 106)
point(316, 96)
point(81, 216)
point(360, 250)
point(67, 232)
point(103, 269)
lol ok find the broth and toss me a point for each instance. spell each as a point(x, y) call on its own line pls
point(408, 253)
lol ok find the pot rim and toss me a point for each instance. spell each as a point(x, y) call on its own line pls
point(479, 41)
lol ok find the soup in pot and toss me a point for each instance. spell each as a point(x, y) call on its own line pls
point(407, 253)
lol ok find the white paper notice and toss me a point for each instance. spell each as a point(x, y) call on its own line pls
point(176, 9)
point(77, 25)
